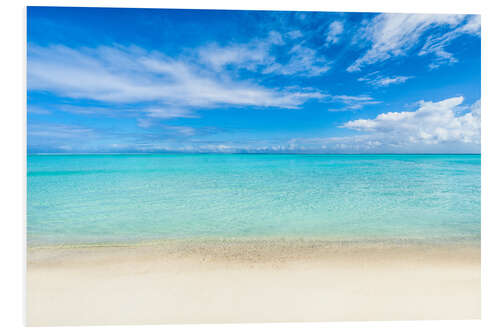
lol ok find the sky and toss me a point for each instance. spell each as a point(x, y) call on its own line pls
point(109, 80)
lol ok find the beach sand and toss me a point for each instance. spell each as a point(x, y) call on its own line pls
point(230, 281)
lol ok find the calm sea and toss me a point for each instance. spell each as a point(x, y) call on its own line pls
point(129, 198)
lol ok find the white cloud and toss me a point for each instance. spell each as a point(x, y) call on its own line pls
point(393, 35)
point(435, 127)
point(37, 110)
point(182, 130)
point(352, 102)
point(431, 123)
point(58, 131)
point(145, 122)
point(303, 61)
point(436, 44)
point(169, 113)
point(257, 56)
point(154, 115)
point(335, 29)
point(251, 56)
point(294, 34)
point(473, 25)
point(132, 75)
point(383, 81)
point(242, 56)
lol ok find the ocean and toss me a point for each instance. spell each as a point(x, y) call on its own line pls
point(76, 199)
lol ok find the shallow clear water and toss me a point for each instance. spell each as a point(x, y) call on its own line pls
point(100, 198)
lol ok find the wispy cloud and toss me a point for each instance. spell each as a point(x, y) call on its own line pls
point(88, 110)
point(257, 56)
point(350, 103)
point(38, 110)
point(383, 81)
point(145, 122)
point(294, 34)
point(394, 35)
point(183, 130)
point(254, 55)
point(303, 61)
point(58, 137)
point(335, 29)
point(436, 44)
point(169, 113)
point(130, 75)
point(58, 131)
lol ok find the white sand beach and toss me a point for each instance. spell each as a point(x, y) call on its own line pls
point(251, 281)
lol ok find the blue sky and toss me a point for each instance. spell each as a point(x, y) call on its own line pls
point(158, 80)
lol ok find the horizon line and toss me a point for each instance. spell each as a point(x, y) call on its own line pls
point(245, 153)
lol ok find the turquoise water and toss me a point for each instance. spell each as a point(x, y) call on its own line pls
point(128, 198)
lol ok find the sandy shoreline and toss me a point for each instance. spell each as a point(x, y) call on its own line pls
point(216, 281)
